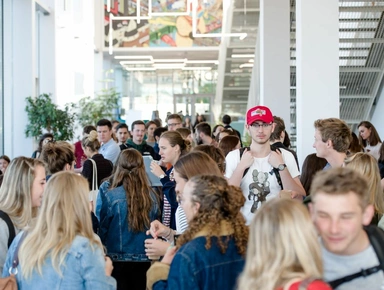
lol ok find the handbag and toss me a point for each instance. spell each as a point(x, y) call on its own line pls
point(10, 283)
point(95, 188)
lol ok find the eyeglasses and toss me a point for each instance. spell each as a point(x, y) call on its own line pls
point(173, 124)
point(263, 125)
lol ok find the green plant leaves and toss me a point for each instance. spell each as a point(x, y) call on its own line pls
point(104, 105)
point(43, 115)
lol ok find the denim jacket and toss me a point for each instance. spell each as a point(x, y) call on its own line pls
point(122, 243)
point(84, 268)
point(195, 267)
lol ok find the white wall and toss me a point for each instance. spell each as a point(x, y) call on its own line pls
point(19, 65)
point(45, 54)
point(378, 115)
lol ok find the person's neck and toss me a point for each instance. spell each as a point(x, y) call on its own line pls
point(151, 139)
point(107, 141)
point(207, 140)
point(260, 150)
point(94, 153)
point(137, 142)
point(336, 159)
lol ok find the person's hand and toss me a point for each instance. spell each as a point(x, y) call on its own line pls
point(275, 158)
point(169, 255)
point(246, 159)
point(157, 229)
point(155, 247)
point(290, 194)
point(108, 266)
point(156, 169)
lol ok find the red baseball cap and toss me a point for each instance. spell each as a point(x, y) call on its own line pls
point(259, 113)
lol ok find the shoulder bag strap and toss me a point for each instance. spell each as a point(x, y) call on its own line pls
point(15, 259)
point(94, 175)
point(11, 228)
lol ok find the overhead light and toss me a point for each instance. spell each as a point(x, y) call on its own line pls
point(197, 68)
point(135, 62)
point(242, 55)
point(169, 60)
point(251, 60)
point(246, 65)
point(140, 68)
point(243, 36)
point(167, 65)
point(134, 57)
point(203, 61)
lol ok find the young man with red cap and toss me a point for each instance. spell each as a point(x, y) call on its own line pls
point(260, 172)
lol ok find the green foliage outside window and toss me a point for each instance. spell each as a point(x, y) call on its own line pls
point(104, 105)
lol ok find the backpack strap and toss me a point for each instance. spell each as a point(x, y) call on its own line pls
point(274, 170)
point(241, 150)
point(11, 228)
point(376, 238)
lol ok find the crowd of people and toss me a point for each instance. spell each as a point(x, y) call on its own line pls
point(184, 206)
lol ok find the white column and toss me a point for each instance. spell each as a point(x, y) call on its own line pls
point(274, 57)
point(19, 70)
point(317, 68)
point(46, 50)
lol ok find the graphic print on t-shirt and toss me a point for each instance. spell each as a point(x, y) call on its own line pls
point(259, 189)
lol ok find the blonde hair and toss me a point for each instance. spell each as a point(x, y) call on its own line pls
point(366, 164)
point(91, 141)
point(16, 190)
point(64, 215)
point(282, 246)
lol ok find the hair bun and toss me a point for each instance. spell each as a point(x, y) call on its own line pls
point(92, 136)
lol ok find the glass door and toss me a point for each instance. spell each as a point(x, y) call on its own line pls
point(194, 106)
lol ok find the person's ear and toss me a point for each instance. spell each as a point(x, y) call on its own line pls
point(368, 214)
point(311, 210)
point(273, 127)
point(196, 207)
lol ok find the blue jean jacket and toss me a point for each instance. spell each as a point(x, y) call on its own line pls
point(84, 269)
point(121, 242)
point(195, 267)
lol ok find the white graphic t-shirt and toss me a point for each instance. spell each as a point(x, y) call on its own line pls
point(260, 183)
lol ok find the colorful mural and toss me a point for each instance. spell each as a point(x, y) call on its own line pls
point(162, 31)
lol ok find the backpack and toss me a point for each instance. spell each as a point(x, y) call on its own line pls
point(5, 217)
point(376, 238)
point(274, 170)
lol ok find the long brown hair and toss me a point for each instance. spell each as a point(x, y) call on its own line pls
point(228, 143)
point(215, 153)
point(218, 201)
point(196, 163)
point(373, 138)
point(130, 173)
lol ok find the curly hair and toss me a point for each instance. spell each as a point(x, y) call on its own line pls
point(218, 202)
